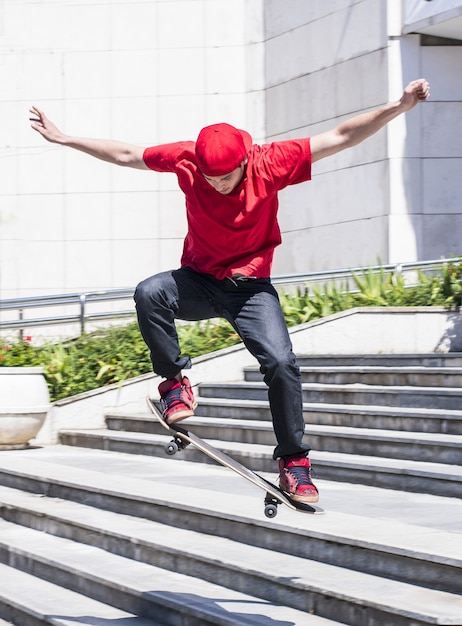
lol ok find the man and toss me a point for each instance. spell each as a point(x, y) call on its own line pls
point(231, 189)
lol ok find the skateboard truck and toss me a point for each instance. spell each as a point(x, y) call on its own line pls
point(175, 445)
point(271, 505)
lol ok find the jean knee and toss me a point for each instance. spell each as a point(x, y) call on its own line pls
point(281, 365)
point(148, 290)
point(142, 291)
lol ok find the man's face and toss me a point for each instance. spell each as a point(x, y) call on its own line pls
point(225, 184)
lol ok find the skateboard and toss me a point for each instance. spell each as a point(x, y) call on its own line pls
point(274, 496)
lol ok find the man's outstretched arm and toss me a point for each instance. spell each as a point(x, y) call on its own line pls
point(116, 152)
point(358, 128)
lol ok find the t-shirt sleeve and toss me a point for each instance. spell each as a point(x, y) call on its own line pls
point(288, 161)
point(165, 157)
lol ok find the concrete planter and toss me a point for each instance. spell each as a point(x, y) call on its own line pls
point(24, 404)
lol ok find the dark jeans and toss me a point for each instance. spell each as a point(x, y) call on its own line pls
point(252, 308)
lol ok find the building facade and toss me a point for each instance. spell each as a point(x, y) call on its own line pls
point(150, 72)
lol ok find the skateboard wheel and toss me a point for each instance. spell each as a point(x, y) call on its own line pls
point(171, 448)
point(271, 510)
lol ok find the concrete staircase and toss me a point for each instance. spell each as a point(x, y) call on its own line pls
point(393, 422)
point(107, 530)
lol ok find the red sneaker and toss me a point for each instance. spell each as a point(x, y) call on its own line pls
point(177, 399)
point(295, 478)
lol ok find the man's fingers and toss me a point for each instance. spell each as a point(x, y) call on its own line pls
point(422, 89)
point(40, 117)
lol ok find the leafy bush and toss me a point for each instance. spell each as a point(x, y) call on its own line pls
point(375, 289)
point(107, 356)
point(115, 354)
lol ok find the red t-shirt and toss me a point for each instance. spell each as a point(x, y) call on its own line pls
point(235, 233)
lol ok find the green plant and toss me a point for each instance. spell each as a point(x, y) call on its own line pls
point(452, 283)
point(18, 353)
point(202, 337)
point(373, 287)
point(107, 356)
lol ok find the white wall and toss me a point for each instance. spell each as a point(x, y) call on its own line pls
point(340, 69)
point(149, 72)
point(442, 154)
point(143, 72)
point(396, 197)
point(425, 153)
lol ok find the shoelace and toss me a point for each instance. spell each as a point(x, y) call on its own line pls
point(172, 398)
point(302, 474)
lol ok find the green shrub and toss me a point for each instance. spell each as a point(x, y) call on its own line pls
point(107, 356)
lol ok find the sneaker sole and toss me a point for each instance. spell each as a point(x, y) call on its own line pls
point(302, 499)
point(181, 415)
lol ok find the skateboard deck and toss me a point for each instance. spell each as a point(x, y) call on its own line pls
point(274, 495)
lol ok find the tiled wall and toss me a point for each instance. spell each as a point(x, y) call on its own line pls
point(396, 197)
point(155, 71)
point(138, 71)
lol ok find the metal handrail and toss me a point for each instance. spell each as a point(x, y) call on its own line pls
point(83, 299)
point(66, 298)
point(325, 276)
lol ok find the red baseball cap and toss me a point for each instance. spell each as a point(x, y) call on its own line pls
point(221, 148)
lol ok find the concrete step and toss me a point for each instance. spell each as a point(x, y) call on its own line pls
point(403, 474)
point(432, 447)
point(416, 397)
point(405, 552)
point(144, 589)
point(328, 414)
point(369, 533)
point(157, 593)
point(162, 489)
point(370, 375)
point(405, 419)
point(27, 600)
point(432, 359)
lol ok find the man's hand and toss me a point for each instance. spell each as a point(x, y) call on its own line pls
point(417, 91)
point(42, 125)
point(116, 152)
point(360, 127)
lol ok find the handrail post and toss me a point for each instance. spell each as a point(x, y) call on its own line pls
point(82, 299)
point(21, 330)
